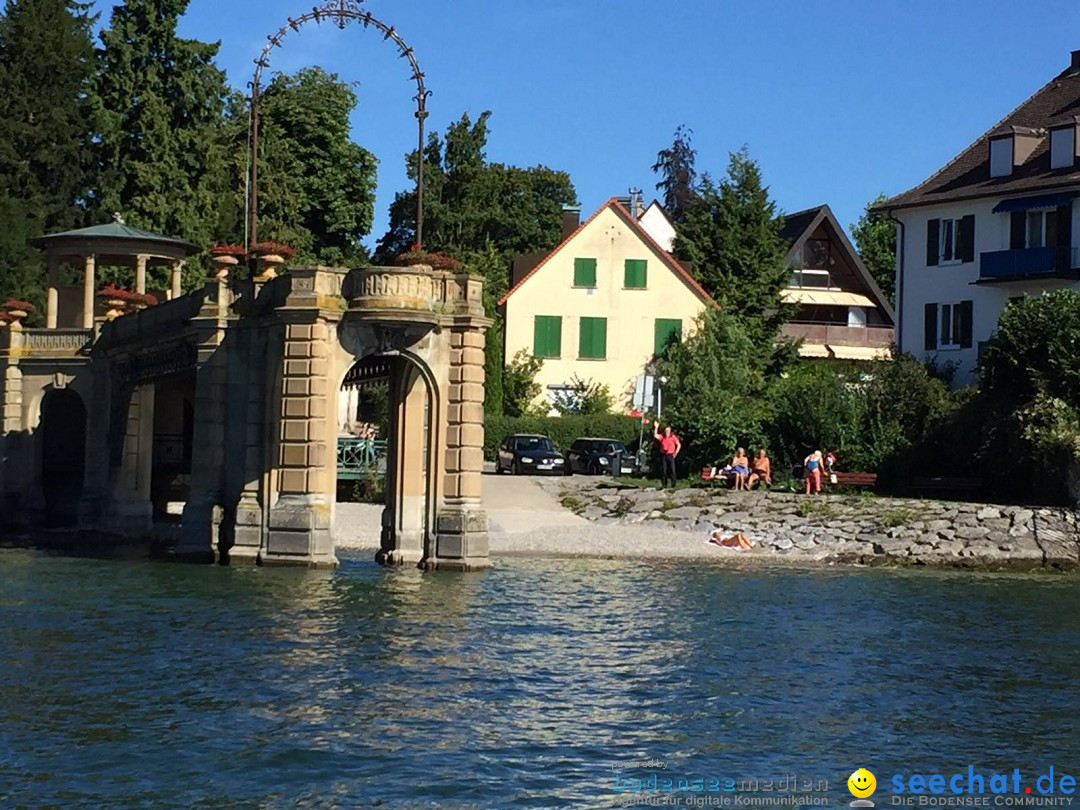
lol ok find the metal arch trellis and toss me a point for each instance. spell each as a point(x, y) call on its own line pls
point(341, 13)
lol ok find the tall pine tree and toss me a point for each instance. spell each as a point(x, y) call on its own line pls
point(46, 65)
point(731, 235)
point(162, 156)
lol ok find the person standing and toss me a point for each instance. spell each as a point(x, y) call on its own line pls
point(812, 465)
point(669, 449)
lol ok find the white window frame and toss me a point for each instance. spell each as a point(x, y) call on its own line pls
point(949, 227)
point(949, 311)
point(1041, 214)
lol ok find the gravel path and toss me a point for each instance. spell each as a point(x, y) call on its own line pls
point(525, 519)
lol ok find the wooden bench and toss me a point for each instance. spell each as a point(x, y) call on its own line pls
point(946, 484)
point(710, 475)
point(853, 479)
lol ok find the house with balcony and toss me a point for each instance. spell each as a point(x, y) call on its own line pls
point(603, 303)
point(994, 224)
point(841, 312)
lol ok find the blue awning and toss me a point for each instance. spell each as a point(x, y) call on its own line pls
point(1030, 203)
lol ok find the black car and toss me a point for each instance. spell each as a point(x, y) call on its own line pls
point(595, 456)
point(528, 452)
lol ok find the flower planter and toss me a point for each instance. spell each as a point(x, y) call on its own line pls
point(223, 264)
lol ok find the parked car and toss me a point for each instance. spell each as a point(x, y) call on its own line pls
point(528, 452)
point(595, 456)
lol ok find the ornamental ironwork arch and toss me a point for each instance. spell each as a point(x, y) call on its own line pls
point(341, 13)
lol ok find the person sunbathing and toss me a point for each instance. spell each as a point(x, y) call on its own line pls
point(737, 540)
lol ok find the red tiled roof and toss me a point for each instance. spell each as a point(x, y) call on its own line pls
point(635, 226)
point(967, 175)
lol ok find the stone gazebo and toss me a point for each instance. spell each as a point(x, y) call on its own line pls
point(111, 244)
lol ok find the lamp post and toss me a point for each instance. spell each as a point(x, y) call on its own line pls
point(660, 383)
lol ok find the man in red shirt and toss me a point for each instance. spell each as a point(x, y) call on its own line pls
point(669, 448)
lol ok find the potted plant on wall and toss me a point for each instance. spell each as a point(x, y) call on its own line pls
point(270, 256)
point(15, 310)
point(417, 256)
point(120, 302)
point(226, 257)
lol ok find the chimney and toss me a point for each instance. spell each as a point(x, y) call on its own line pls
point(571, 218)
point(1076, 60)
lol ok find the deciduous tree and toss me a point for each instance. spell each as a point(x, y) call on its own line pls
point(875, 239)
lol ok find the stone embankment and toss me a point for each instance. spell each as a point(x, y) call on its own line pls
point(844, 529)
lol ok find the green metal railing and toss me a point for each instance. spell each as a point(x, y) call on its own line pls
point(357, 458)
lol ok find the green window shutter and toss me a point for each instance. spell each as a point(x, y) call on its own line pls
point(592, 339)
point(635, 273)
point(547, 336)
point(665, 329)
point(584, 272)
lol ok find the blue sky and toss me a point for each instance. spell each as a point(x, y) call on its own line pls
point(837, 100)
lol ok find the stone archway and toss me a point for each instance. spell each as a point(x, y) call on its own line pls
point(63, 455)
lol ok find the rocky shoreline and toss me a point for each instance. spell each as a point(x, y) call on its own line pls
point(842, 529)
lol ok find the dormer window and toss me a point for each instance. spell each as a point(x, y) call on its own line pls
point(1001, 157)
point(1063, 143)
point(1011, 147)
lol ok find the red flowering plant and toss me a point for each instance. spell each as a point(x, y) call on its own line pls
point(111, 291)
point(268, 248)
point(15, 305)
point(228, 250)
point(417, 255)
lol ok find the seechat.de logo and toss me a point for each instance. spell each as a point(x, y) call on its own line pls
point(862, 784)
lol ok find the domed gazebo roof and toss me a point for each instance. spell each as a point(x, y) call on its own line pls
point(116, 241)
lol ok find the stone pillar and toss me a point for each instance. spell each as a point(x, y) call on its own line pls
point(140, 272)
point(461, 530)
point(89, 265)
point(132, 506)
point(248, 378)
point(177, 275)
point(200, 535)
point(408, 469)
point(14, 439)
point(299, 525)
point(52, 298)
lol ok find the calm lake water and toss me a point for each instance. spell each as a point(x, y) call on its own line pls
point(131, 684)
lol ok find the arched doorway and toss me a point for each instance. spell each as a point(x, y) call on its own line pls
point(63, 455)
point(386, 438)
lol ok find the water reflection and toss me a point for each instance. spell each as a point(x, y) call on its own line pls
point(130, 684)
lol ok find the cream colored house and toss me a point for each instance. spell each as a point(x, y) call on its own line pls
point(601, 305)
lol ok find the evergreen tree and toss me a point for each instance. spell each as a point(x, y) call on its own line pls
point(163, 155)
point(875, 239)
point(678, 177)
point(316, 187)
point(731, 235)
point(46, 63)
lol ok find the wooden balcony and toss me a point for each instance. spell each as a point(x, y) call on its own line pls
point(876, 337)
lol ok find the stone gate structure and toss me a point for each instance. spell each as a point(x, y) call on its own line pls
point(225, 400)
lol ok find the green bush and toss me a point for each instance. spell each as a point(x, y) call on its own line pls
point(563, 430)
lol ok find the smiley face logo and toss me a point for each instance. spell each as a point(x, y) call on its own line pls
point(861, 783)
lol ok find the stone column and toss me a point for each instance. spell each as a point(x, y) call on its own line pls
point(200, 536)
point(305, 457)
point(52, 297)
point(248, 383)
point(132, 507)
point(89, 265)
point(408, 469)
point(461, 539)
point(177, 274)
point(140, 272)
point(14, 440)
